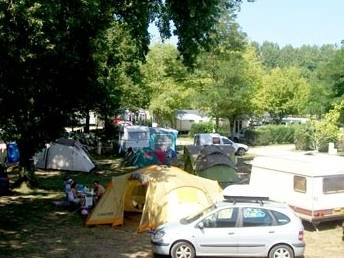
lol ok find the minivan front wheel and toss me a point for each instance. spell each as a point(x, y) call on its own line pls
point(281, 251)
point(182, 250)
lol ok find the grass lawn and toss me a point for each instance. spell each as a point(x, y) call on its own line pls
point(31, 226)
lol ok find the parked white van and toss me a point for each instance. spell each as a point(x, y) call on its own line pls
point(216, 139)
point(313, 185)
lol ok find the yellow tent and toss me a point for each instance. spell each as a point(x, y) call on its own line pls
point(163, 194)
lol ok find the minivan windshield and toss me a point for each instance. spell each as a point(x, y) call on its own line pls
point(191, 218)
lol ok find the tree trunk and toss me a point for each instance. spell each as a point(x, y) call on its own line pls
point(231, 126)
point(26, 164)
point(87, 124)
point(217, 123)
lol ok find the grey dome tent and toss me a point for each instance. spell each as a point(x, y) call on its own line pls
point(64, 154)
point(212, 162)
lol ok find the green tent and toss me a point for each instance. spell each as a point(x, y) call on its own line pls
point(212, 162)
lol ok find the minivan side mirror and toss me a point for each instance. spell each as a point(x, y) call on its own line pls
point(200, 225)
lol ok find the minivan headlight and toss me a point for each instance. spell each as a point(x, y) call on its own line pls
point(158, 235)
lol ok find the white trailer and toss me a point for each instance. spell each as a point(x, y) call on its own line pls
point(135, 137)
point(313, 185)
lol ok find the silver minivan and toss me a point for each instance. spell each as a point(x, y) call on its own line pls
point(230, 228)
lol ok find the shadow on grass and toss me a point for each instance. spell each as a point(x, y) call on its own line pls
point(328, 225)
point(31, 226)
point(34, 227)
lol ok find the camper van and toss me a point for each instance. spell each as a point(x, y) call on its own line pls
point(313, 185)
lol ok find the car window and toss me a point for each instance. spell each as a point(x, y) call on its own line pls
point(256, 217)
point(223, 218)
point(280, 218)
point(226, 141)
point(193, 217)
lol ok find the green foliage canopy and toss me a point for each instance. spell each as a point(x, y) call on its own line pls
point(62, 58)
point(284, 92)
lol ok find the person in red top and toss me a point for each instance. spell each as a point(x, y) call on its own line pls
point(161, 156)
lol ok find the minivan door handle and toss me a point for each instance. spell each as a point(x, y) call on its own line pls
point(231, 233)
point(271, 231)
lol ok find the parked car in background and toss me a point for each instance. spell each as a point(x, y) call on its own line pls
point(240, 135)
point(246, 227)
point(217, 139)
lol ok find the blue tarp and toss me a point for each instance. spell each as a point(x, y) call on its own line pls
point(12, 153)
point(161, 150)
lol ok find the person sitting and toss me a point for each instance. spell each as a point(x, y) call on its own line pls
point(99, 190)
point(73, 196)
point(129, 157)
point(67, 182)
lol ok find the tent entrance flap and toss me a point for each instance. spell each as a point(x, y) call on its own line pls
point(110, 208)
point(166, 194)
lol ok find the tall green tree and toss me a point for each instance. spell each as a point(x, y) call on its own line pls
point(166, 80)
point(333, 73)
point(284, 92)
point(47, 70)
point(52, 68)
point(230, 74)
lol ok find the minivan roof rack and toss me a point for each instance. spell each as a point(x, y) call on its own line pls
point(256, 199)
point(244, 193)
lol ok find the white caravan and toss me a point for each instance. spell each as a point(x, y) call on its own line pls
point(136, 137)
point(313, 185)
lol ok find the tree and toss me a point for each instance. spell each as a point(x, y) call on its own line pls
point(117, 71)
point(333, 73)
point(284, 92)
point(327, 129)
point(47, 70)
point(230, 73)
point(52, 68)
point(269, 53)
point(166, 80)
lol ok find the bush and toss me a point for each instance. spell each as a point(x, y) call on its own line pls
point(203, 127)
point(304, 137)
point(223, 130)
point(270, 134)
point(340, 142)
point(325, 132)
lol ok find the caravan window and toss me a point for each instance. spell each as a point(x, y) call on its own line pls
point(333, 184)
point(137, 135)
point(300, 184)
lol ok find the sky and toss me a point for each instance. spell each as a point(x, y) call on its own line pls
point(295, 22)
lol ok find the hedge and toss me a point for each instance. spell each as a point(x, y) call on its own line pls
point(270, 134)
point(304, 138)
point(203, 127)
